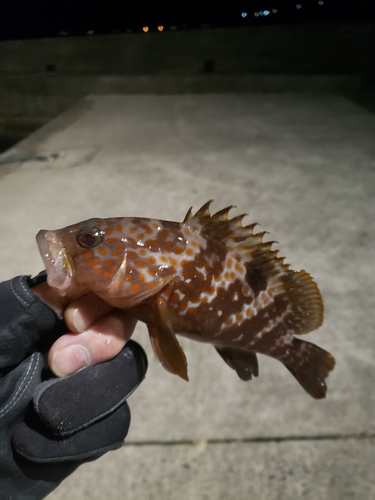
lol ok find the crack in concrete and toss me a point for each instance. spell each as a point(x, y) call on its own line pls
point(265, 439)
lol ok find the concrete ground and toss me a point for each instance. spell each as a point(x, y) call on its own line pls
point(303, 166)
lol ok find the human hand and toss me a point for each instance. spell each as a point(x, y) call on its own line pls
point(49, 426)
point(98, 331)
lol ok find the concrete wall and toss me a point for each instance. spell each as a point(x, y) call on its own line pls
point(301, 49)
point(41, 78)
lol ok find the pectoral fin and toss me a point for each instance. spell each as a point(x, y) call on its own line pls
point(245, 363)
point(129, 288)
point(165, 344)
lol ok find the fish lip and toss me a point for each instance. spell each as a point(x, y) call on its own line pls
point(59, 265)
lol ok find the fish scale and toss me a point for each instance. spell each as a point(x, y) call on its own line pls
point(208, 278)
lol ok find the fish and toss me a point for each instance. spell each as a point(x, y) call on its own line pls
point(208, 278)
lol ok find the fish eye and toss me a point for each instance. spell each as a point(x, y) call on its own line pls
point(90, 237)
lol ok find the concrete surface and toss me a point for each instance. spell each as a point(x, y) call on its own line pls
point(37, 97)
point(301, 165)
point(337, 470)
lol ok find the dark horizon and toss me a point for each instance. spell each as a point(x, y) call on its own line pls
point(22, 19)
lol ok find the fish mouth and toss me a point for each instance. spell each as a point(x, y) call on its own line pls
point(59, 265)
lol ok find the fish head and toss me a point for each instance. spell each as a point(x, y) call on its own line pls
point(83, 257)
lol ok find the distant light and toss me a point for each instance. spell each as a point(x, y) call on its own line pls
point(145, 29)
point(274, 11)
point(173, 27)
point(160, 28)
point(256, 14)
point(320, 2)
point(90, 32)
point(266, 12)
point(244, 14)
point(298, 6)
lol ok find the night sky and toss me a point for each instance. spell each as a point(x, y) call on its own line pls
point(45, 18)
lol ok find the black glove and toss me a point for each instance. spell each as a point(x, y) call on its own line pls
point(49, 425)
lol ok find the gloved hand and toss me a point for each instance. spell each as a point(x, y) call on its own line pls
point(49, 425)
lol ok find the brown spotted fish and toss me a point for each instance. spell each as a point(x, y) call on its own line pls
point(208, 278)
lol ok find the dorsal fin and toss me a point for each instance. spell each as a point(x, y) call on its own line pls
point(237, 238)
point(296, 290)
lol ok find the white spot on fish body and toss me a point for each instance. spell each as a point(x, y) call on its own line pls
point(192, 305)
point(180, 294)
point(285, 339)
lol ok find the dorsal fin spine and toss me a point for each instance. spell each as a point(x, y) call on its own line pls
point(204, 211)
point(237, 221)
point(189, 215)
point(222, 215)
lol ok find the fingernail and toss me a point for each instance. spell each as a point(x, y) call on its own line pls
point(78, 321)
point(69, 360)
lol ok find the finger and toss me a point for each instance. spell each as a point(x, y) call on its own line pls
point(102, 341)
point(83, 312)
point(51, 296)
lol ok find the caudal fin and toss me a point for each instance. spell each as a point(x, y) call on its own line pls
point(310, 365)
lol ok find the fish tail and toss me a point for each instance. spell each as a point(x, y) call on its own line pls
point(310, 365)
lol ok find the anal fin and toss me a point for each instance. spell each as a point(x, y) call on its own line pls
point(165, 344)
point(245, 363)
